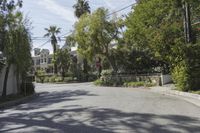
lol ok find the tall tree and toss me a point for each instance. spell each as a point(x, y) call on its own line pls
point(95, 33)
point(16, 41)
point(81, 7)
point(156, 26)
point(52, 31)
point(63, 60)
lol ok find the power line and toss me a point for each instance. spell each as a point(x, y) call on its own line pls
point(121, 9)
point(61, 36)
point(71, 31)
point(44, 44)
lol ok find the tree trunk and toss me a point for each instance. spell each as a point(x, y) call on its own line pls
point(112, 63)
point(5, 81)
point(85, 69)
point(63, 73)
point(187, 22)
point(55, 65)
point(55, 68)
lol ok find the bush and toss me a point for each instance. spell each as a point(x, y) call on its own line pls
point(92, 77)
point(138, 84)
point(46, 79)
point(68, 79)
point(58, 79)
point(38, 80)
point(148, 84)
point(106, 83)
point(181, 77)
point(134, 84)
point(107, 72)
point(52, 79)
point(98, 82)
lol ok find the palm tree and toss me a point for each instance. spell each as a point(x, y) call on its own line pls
point(81, 7)
point(52, 31)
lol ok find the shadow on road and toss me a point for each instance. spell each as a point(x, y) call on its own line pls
point(47, 99)
point(78, 119)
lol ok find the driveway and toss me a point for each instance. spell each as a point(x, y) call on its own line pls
point(85, 108)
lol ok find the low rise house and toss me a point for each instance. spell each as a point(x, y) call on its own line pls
point(42, 59)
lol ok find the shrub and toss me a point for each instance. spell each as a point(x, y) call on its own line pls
point(46, 79)
point(181, 77)
point(52, 79)
point(38, 80)
point(107, 72)
point(68, 79)
point(69, 74)
point(98, 82)
point(148, 84)
point(58, 79)
point(92, 77)
point(134, 84)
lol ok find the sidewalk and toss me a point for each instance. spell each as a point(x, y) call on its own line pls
point(169, 90)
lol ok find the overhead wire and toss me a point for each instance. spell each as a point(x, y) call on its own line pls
point(71, 31)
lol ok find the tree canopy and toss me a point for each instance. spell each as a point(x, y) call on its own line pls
point(156, 27)
point(95, 34)
point(81, 7)
point(15, 39)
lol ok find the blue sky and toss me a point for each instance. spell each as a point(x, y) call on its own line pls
point(43, 13)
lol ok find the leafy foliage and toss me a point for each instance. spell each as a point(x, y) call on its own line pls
point(15, 40)
point(81, 7)
point(160, 32)
point(63, 60)
point(95, 33)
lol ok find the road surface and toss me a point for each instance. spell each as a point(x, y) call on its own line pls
point(84, 108)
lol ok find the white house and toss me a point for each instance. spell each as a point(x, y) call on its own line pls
point(42, 59)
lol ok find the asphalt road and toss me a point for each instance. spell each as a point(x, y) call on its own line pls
point(84, 108)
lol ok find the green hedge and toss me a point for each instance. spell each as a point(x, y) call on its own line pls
point(100, 82)
point(185, 77)
point(134, 84)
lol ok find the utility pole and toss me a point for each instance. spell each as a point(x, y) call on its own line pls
point(187, 22)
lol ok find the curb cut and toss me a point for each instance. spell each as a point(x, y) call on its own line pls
point(18, 101)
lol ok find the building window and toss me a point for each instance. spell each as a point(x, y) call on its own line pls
point(37, 62)
point(41, 60)
point(45, 60)
point(49, 60)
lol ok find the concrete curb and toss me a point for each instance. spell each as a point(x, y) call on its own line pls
point(168, 90)
point(185, 94)
point(18, 101)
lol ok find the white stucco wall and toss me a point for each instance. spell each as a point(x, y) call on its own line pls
point(11, 83)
